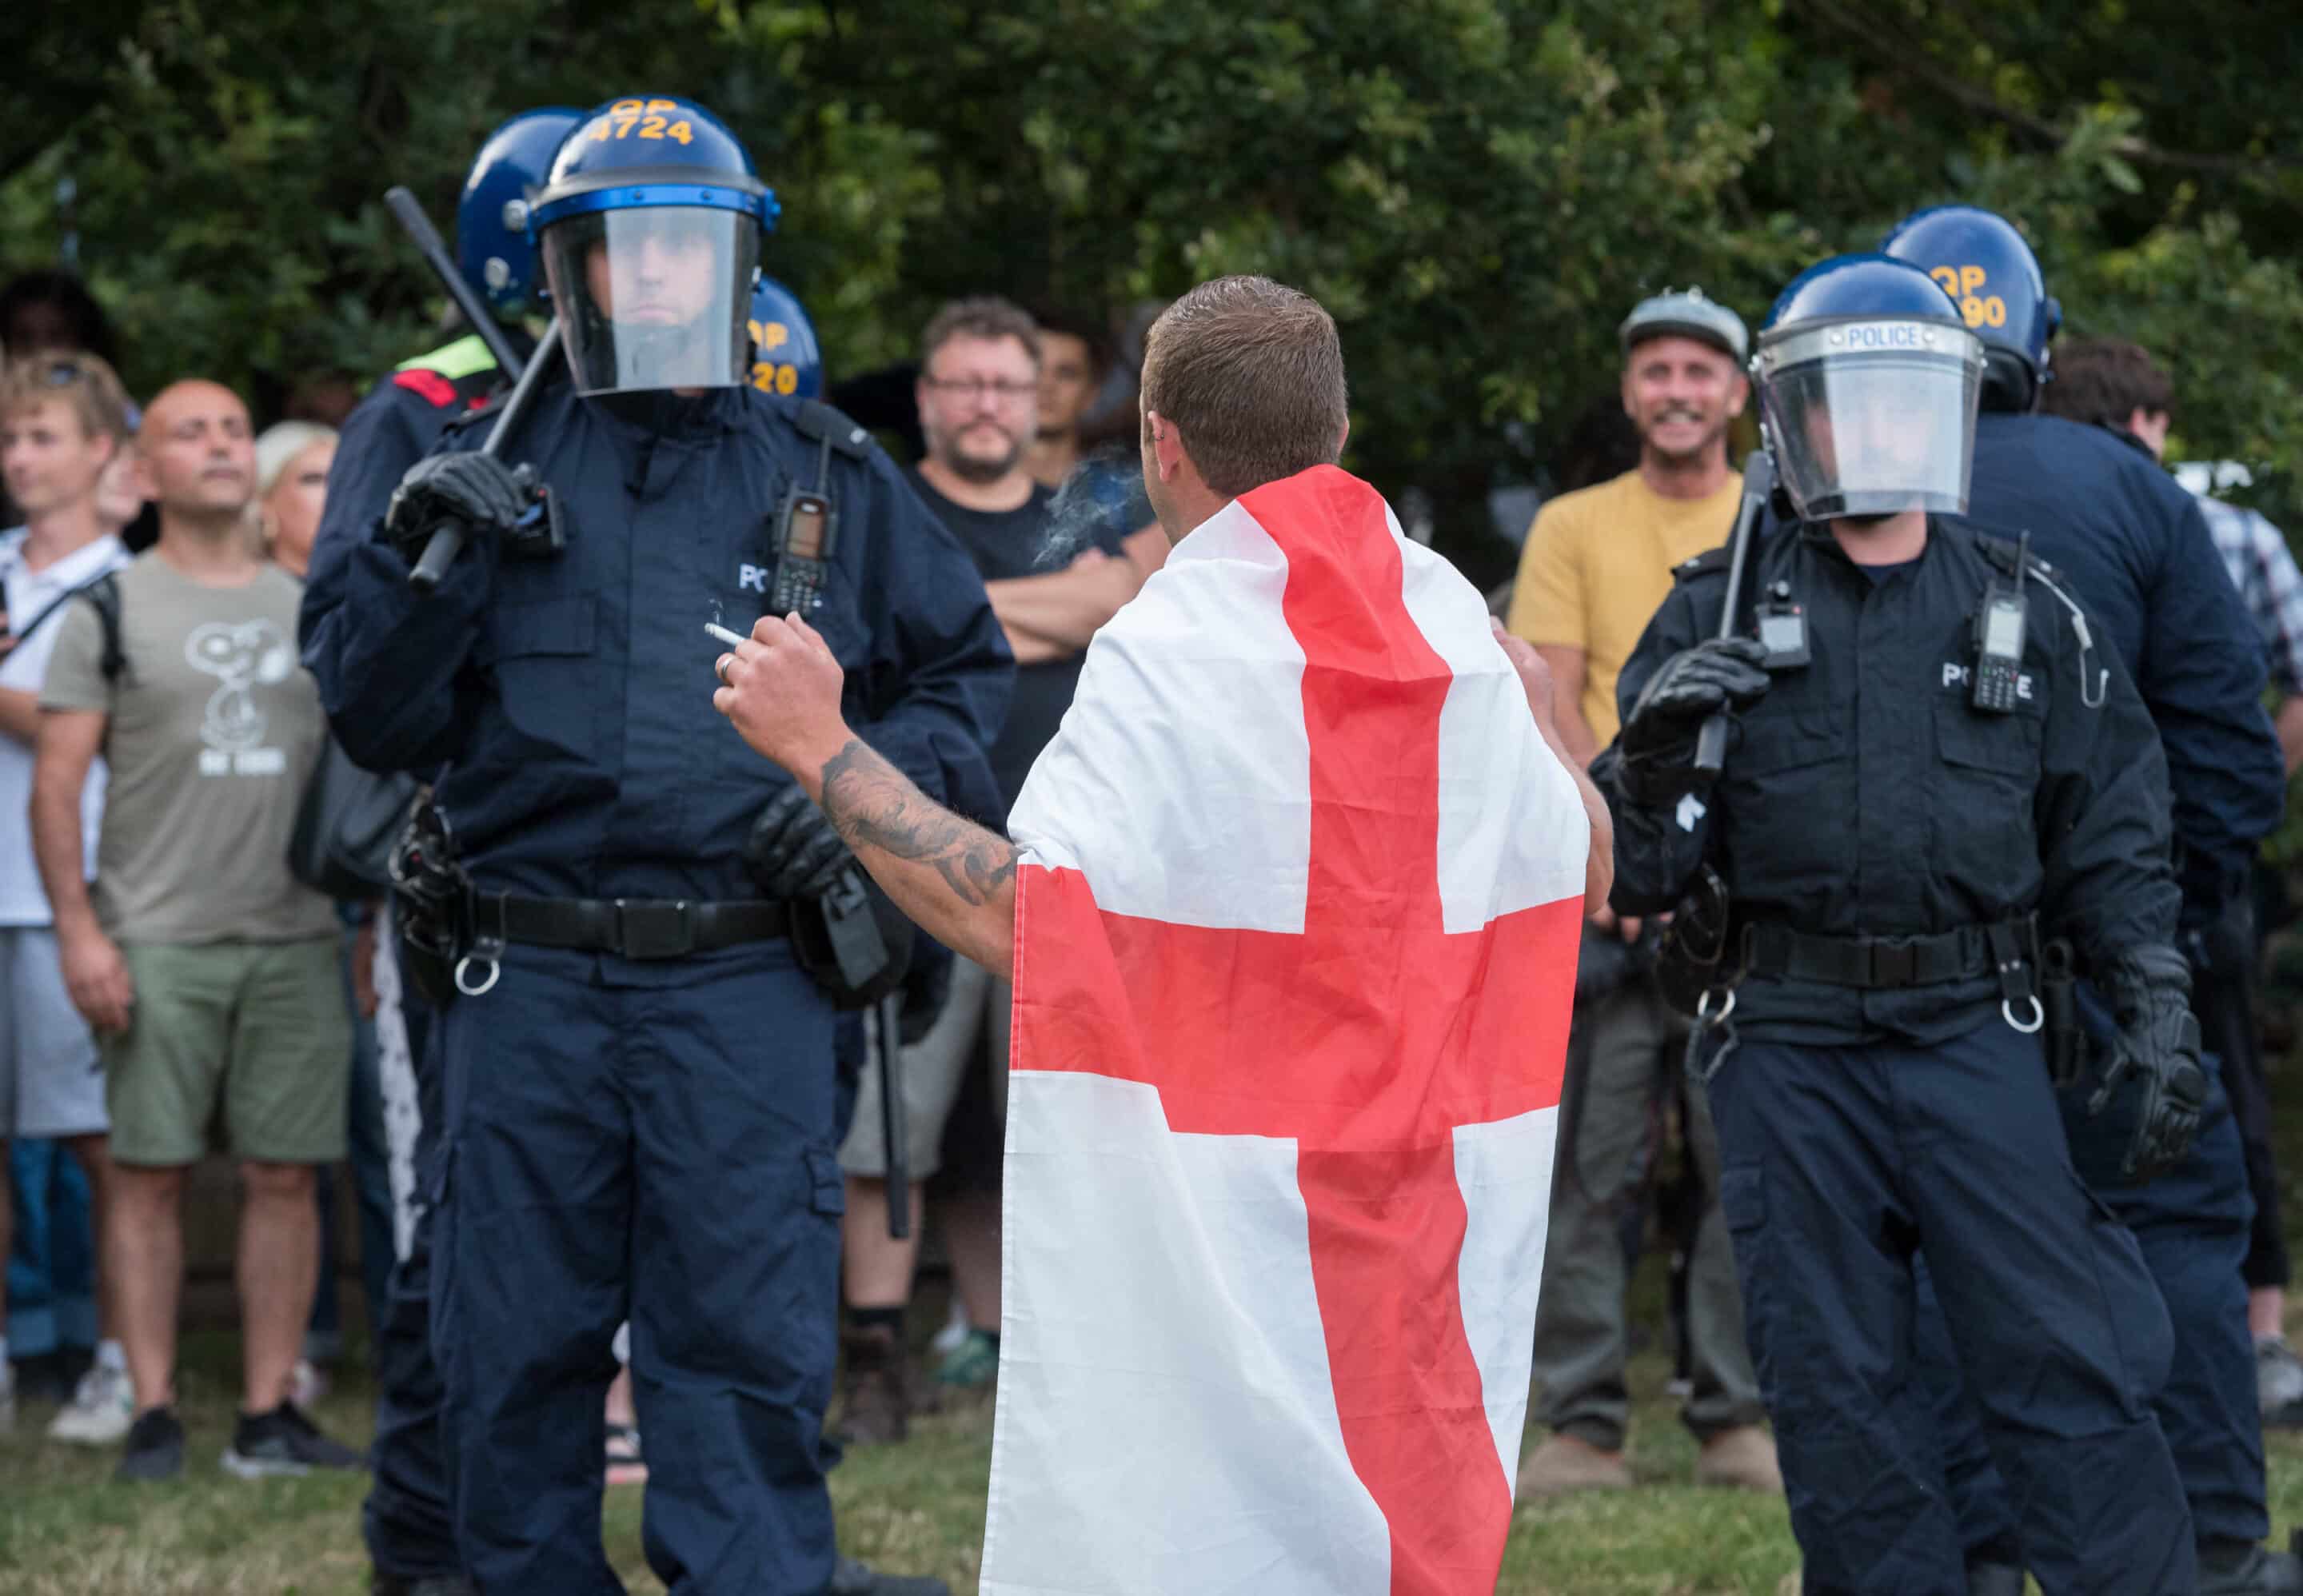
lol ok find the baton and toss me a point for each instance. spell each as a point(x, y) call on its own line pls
point(427, 239)
point(892, 1116)
point(1758, 482)
point(441, 551)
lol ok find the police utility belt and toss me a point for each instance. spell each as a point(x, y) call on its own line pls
point(454, 933)
point(468, 942)
point(2038, 985)
point(2008, 950)
point(637, 928)
point(852, 941)
point(1887, 963)
point(2039, 982)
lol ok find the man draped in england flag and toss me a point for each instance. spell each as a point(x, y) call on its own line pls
point(1290, 907)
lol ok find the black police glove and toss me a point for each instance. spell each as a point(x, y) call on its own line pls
point(478, 490)
point(1720, 676)
point(2149, 991)
point(794, 851)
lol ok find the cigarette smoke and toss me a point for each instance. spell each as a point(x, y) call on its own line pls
point(1105, 489)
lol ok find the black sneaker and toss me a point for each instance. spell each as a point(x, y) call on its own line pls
point(283, 1441)
point(155, 1447)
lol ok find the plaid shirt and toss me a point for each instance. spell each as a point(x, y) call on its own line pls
point(2255, 553)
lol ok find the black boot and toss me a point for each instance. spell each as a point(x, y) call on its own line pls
point(380, 1584)
point(852, 1579)
point(2243, 1568)
point(1986, 1578)
point(874, 1385)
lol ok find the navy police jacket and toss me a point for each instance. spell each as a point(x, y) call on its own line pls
point(2135, 551)
point(1864, 796)
point(569, 698)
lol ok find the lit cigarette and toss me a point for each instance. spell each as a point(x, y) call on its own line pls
point(724, 635)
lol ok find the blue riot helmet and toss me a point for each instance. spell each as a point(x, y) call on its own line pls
point(650, 224)
point(1867, 382)
point(494, 250)
point(1990, 273)
point(786, 358)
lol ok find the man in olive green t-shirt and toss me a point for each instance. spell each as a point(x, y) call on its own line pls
point(207, 972)
point(1597, 565)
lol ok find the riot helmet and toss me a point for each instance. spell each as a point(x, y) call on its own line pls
point(786, 358)
point(1994, 278)
point(495, 252)
point(650, 225)
point(1868, 381)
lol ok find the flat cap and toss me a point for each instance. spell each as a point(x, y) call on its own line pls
point(1688, 313)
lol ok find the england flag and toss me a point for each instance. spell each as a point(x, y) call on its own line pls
point(1299, 892)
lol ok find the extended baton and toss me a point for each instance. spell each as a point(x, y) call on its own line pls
point(427, 239)
point(1758, 482)
point(891, 1115)
point(441, 551)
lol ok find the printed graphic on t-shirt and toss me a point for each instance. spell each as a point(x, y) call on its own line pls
point(244, 657)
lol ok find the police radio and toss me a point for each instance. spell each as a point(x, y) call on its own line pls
point(807, 536)
point(807, 531)
point(2000, 621)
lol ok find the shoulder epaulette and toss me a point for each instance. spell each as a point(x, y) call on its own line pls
point(1702, 564)
point(818, 421)
point(427, 385)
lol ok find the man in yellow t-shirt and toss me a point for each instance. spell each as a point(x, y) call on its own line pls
point(1598, 562)
point(1597, 565)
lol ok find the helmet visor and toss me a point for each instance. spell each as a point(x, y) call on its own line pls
point(654, 296)
point(1872, 417)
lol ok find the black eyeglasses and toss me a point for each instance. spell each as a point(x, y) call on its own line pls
point(977, 387)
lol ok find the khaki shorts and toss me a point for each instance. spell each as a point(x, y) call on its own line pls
point(254, 1034)
point(975, 1012)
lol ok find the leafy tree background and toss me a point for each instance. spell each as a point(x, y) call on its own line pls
point(1479, 189)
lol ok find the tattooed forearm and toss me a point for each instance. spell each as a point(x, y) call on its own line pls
point(875, 805)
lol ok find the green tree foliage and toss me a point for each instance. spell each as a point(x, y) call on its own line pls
point(1479, 189)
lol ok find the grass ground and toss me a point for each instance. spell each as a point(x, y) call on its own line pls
point(67, 1530)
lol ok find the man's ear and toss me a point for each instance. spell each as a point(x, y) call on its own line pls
point(1343, 437)
point(1167, 445)
point(139, 474)
point(1740, 395)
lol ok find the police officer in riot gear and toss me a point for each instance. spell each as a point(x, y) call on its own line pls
point(2132, 546)
point(787, 357)
point(639, 1079)
point(411, 1541)
point(1933, 776)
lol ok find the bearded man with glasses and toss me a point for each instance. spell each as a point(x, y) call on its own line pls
point(1051, 583)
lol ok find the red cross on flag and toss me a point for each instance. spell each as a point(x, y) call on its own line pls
point(1296, 938)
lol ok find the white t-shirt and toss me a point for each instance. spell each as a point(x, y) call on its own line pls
point(28, 592)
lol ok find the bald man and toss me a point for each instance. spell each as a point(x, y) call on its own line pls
point(207, 971)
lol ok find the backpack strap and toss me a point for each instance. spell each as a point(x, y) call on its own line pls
point(103, 597)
